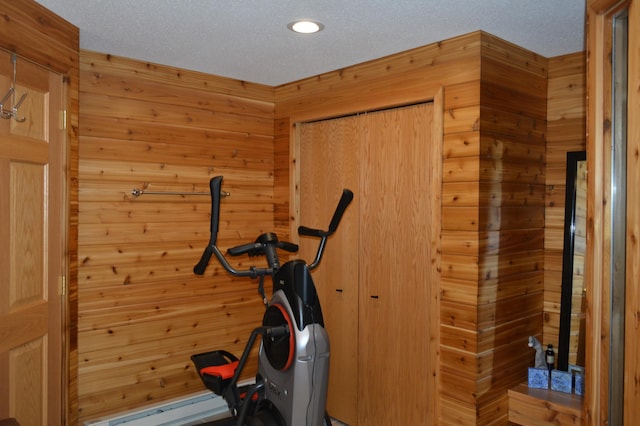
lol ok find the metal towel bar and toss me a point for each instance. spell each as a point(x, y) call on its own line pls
point(136, 192)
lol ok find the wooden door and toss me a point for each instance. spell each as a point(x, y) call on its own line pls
point(330, 163)
point(396, 251)
point(32, 235)
point(390, 163)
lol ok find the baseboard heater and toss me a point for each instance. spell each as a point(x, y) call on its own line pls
point(177, 412)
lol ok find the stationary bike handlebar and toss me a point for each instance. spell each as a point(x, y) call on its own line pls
point(266, 243)
point(345, 200)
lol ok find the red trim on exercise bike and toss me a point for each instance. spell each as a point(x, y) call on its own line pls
point(224, 371)
point(292, 340)
point(255, 396)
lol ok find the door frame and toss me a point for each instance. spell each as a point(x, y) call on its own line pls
point(597, 271)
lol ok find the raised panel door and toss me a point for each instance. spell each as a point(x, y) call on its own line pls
point(31, 243)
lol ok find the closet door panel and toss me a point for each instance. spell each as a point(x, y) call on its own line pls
point(376, 285)
point(395, 266)
point(329, 163)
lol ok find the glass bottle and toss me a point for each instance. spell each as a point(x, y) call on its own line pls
point(550, 357)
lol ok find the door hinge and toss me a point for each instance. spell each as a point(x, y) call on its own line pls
point(63, 119)
point(62, 286)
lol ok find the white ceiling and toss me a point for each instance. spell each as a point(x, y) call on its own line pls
point(249, 40)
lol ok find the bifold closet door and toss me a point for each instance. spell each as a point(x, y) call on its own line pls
point(391, 156)
point(396, 353)
point(329, 158)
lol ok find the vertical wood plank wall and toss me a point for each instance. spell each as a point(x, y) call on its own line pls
point(142, 311)
point(566, 132)
point(35, 33)
point(492, 197)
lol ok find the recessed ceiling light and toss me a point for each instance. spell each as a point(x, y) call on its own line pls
point(305, 26)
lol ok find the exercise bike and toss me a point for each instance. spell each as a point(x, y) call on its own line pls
point(293, 360)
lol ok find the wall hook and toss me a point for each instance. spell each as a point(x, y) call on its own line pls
point(13, 112)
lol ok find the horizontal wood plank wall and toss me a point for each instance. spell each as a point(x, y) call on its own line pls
point(405, 78)
point(566, 132)
point(142, 311)
point(492, 197)
point(39, 35)
point(400, 79)
point(511, 214)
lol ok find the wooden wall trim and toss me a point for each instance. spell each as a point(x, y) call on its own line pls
point(599, 115)
point(632, 296)
point(602, 7)
point(595, 413)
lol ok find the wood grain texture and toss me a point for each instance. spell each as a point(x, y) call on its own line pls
point(538, 407)
point(566, 132)
point(494, 127)
point(329, 153)
point(599, 113)
point(35, 33)
point(472, 107)
point(513, 127)
point(142, 312)
point(310, 105)
point(380, 156)
point(632, 308)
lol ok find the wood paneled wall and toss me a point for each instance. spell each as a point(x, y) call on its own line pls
point(409, 77)
point(511, 220)
point(566, 132)
point(142, 311)
point(493, 199)
point(35, 33)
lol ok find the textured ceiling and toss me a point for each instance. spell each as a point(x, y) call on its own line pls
point(249, 40)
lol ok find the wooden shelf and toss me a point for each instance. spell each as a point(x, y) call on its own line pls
point(529, 406)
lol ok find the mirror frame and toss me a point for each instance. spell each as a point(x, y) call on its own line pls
point(567, 258)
